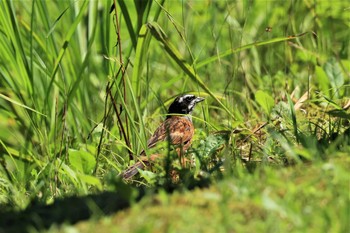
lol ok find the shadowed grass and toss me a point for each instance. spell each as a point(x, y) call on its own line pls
point(271, 200)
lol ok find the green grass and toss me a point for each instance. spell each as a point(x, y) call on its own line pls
point(295, 199)
point(81, 90)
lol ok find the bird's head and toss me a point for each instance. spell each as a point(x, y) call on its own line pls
point(184, 104)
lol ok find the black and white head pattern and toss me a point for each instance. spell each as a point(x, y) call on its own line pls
point(184, 104)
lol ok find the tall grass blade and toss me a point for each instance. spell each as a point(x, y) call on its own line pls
point(248, 46)
point(21, 105)
point(159, 34)
point(65, 45)
point(294, 118)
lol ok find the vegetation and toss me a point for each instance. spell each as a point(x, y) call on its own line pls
point(83, 86)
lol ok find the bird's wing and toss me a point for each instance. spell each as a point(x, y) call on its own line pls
point(178, 129)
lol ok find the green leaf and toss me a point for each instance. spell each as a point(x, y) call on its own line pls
point(212, 144)
point(128, 22)
point(265, 101)
point(82, 161)
point(149, 176)
point(322, 80)
point(91, 180)
point(335, 75)
point(68, 37)
point(140, 54)
point(20, 104)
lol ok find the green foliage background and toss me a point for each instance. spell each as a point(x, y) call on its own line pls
point(76, 100)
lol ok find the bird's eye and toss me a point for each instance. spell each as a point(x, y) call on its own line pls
point(186, 98)
point(189, 98)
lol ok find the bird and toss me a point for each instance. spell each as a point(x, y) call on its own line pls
point(177, 128)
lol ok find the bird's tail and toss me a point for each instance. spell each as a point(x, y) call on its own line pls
point(133, 170)
point(144, 162)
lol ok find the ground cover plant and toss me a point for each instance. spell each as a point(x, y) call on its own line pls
point(85, 83)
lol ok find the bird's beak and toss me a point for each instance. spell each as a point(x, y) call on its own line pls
point(199, 99)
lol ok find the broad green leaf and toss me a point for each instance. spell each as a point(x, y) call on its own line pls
point(141, 51)
point(212, 144)
point(91, 180)
point(322, 80)
point(265, 101)
point(149, 176)
point(82, 161)
point(69, 172)
point(334, 74)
